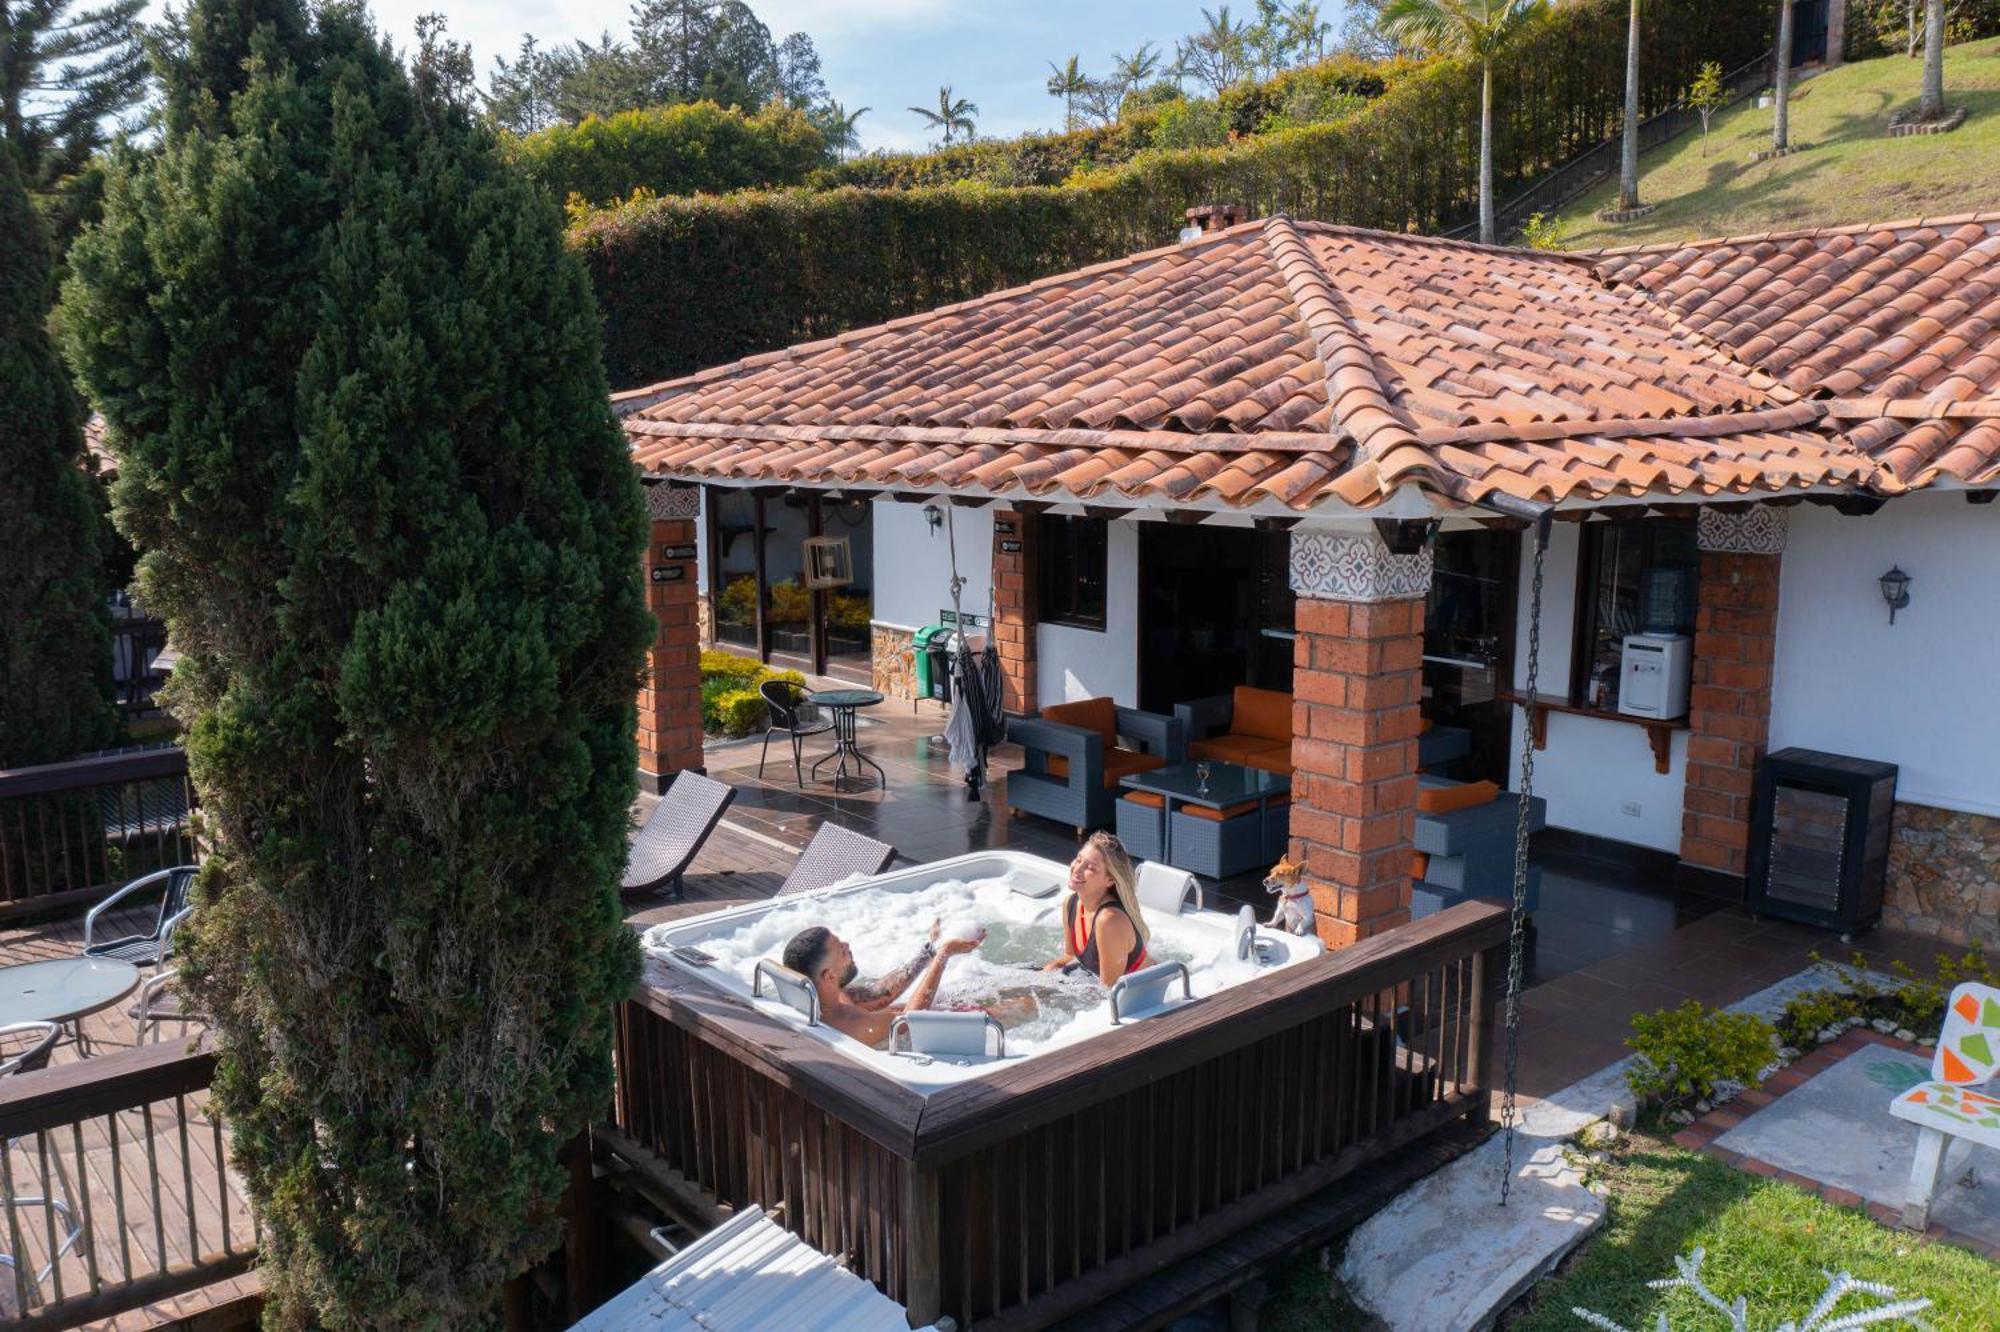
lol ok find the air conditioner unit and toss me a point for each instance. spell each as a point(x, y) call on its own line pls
point(1653, 678)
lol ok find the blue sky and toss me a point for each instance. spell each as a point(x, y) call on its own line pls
point(885, 54)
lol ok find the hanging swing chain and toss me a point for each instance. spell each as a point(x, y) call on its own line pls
point(1511, 1019)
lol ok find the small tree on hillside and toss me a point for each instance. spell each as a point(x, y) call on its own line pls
point(55, 642)
point(366, 448)
point(1705, 96)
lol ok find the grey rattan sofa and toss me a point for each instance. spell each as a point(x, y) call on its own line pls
point(1069, 774)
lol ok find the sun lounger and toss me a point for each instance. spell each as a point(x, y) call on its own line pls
point(836, 853)
point(674, 833)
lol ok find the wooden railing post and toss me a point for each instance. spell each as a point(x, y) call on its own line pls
point(1479, 1103)
point(583, 1250)
point(922, 1251)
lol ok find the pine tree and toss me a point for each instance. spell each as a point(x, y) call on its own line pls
point(55, 641)
point(392, 524)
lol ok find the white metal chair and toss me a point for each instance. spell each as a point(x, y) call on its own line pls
point(25, 1047)
point(159, 1001)
point(1946, 1107)
point(156, 944)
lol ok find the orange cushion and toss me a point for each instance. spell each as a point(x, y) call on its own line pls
point(1091, 714)
point(1261, 712)
point(1123, 763)
point(1217, 815)
point(1232, 748)
point(1278, 759)
point(1420, 864)
point(1445, 799)
point(1150, 799)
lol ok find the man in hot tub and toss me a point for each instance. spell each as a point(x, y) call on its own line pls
point(865, 1011)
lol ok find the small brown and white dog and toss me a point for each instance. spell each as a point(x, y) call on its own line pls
point(1295, 908)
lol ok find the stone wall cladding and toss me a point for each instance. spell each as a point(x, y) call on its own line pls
point(1014, 614)
point(893, 667)
point(1944, 877)
point(1729, 705)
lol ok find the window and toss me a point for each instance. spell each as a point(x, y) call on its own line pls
point(1632, 577)
point(1070, 556)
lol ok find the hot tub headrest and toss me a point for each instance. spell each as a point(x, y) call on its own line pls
point(949, 1035)
point(789, 987)
point(1165, 889)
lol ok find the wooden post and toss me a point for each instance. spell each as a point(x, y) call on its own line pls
point(1479, 1038)
point(583, 1250)
point(923, 1282)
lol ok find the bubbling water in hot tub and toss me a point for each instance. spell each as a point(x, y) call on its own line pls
point(886, 929)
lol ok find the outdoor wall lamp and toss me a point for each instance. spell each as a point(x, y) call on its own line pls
point(934, 516)
point(1895, 590)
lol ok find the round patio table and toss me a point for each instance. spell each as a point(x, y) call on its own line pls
point(843, 704)
point(64, 990)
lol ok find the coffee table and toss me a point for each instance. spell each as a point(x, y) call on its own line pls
point(843, 704)
point(1217, 847)
point(64, 990)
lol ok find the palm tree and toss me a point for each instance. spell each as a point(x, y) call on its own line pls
point(1930, 105)
point(1781, 82)
point(1628, 156)
point(951, 114)
point(1067, 81)
point(1474, 30)
point(839, 127)
point(1133, 71)
point(1307, 33)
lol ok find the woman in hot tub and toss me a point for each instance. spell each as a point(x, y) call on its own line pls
point(1104, 931)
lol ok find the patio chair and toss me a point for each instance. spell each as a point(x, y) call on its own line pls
point(674, 833)
point(157, 943)
point(1071, 758)
point(159, 1001)
point(792, 717)
point(1968, 1054)
point(834, 854)
point(25, 1047)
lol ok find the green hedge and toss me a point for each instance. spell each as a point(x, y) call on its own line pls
point(696, 146)
point(1882, 27)
point(688, 282)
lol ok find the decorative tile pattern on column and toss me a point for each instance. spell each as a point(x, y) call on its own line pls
point(670, 686)
point(1759, 530)
point(1356, 567)
point(664, 501)
point(1729, 699)
point(1014, 608)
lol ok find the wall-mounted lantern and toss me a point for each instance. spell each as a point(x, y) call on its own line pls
point(1895, 591)
point(934, 516)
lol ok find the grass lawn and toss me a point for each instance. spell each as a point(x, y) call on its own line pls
point(1765, 1240)
point(1853, 172)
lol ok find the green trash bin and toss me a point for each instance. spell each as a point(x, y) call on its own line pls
point(932, 644)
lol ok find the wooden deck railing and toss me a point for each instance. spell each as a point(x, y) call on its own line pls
point(128, 1146)
point(70, 832)
point(1045, 1188)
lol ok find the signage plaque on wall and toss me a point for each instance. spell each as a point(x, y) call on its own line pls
point(1004, 526)
point(676, 552)
point(672, 574)
point(1010, 548)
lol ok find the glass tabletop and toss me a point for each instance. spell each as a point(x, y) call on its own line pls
point(63, 988)
point(845, 698)
point(1228, 783)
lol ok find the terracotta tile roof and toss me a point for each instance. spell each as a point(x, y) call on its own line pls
point(1896, 325)
point(1278, 364)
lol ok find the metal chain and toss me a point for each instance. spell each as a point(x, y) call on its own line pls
point(1512, 1016)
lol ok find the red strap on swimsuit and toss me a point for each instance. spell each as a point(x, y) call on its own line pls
point(1083, 943)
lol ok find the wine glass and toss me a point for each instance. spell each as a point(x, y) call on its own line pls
point(1201, 775)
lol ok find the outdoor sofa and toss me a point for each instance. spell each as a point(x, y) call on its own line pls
point(1465, 838)
point(1249, 726)
point(1074, 754)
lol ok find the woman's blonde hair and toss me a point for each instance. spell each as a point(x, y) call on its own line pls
point(1124, 879)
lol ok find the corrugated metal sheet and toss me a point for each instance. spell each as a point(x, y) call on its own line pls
point(748, 1275)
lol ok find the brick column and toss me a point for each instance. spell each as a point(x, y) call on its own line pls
point(1014, 608)
point(1729, 697)
point(670, 686)
point(1356, 681)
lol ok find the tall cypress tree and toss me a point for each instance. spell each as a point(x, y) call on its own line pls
point(55, 641)
point(386, 511)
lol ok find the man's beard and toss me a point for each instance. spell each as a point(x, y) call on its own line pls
point(853, 970)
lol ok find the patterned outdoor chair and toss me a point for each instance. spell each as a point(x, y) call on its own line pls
point(157, 943)
point(834, 854)
point(1968, 1054)
point(674, 833)
point(792, 717)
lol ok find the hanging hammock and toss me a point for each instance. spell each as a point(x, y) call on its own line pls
point(977, 721)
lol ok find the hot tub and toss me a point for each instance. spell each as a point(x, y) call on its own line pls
point(1017, 899)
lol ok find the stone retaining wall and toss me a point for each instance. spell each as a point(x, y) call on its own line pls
point(893, 673)
point(1944, 876)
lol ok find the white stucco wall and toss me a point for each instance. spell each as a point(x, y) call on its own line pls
point(1596, 775)
point(1083, 663)
point(913, 564)
point(1919, 693)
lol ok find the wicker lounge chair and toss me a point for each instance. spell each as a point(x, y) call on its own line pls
point(153, 947)
point(674, 833)
point(833, 854)
point(1071, 762)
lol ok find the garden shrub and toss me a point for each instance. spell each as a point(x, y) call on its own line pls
point(1806, 1015)
point(730, 703)
point(356, 389)
point(737, 711)
point(1683, 1053)
point(765, 269)
point(681, 149)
